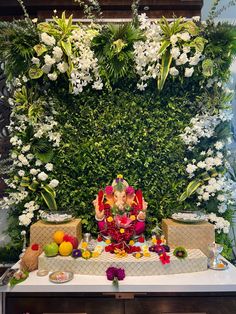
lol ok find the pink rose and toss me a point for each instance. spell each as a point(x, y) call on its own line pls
point(109, 190)
point(129, 190)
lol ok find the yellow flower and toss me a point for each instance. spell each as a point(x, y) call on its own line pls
point(131, 242)
point(163, 240)
point(86, 254)
point(108, 241)
point(95, 254)
point(138, 255)
point(146, 254)
point(84, 245)
point(154, 240)
point(120, 253)
point(122, 230)
point(132, 217)
point(109, 219)
point(119, 176)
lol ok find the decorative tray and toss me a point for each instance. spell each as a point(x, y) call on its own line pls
point(61, 276)
point(189, 217)
point(222, 265)
point(56, 217)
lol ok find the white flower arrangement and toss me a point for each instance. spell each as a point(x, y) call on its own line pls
point(220, 224)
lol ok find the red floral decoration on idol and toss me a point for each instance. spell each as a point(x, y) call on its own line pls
point(109, 190)
point(123, 221)
point(100, 200)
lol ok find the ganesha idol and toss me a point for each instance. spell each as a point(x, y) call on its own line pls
point(120, 213)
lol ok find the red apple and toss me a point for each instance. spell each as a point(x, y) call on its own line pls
point(73, 240)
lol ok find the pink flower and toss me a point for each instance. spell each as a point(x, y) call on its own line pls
point(129, 190)
point(123, 221)
point(109, 190)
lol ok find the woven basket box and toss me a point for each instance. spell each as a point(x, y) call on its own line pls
point(190, 236)
point(145, 266)
point(42, 233)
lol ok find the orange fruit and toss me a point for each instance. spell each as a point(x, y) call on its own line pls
point(58, 236)
point(65, 248)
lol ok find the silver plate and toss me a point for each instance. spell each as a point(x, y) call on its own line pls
point(61, 276)
point(226, 265)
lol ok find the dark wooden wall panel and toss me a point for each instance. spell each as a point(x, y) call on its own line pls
point(110, 8)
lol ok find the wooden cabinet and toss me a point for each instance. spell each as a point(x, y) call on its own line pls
point(125, 303)
point(110, 8)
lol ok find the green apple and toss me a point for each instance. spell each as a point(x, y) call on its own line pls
point(51, 249)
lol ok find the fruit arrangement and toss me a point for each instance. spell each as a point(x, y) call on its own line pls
point(63, 244)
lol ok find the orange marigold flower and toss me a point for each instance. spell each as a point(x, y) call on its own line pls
point(122, 230)
point(108, 241)
point(109, 219)
point(132, 217)
point(146, 254)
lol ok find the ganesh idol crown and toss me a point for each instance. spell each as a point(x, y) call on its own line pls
point(120, 212)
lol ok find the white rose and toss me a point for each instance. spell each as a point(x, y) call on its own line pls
point(13, 155)
point(52, 76)
point(174, 71)
point(25, 148)
point(35, 61)
point(184, 36)
point(38, 162)
point(49, 166)
point(186, 49)
point(24, 220)
point(54, 183)
point(221, 197)
point(205, 196)
point(47, 39)
point(49, 60)
point(57, 53)
point(222, 208)
point(175, 52)
point(21, 173)
point(182, 59)
point(201, 164)
point(188, 72)
point(219, 145)
point(191, 168)
point(46, 68)
point(217, 161)
point(34, 172)
point(23, 160)
point(194, 60)
point(30, 156)
point(173, 39)
point(42, 176)
point(62, 67)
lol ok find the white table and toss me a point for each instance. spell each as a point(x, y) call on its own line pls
point(206, 281)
